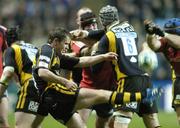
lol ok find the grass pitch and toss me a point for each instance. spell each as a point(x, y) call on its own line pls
point(167, 120)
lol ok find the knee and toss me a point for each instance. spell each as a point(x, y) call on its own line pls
point(120, 119)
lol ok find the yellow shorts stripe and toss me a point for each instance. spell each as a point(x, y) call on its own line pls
point(138, 96)
point(22, 97)
point(126, 98)
point(113, 97)
point(24, 94)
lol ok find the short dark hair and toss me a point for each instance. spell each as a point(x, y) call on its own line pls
point(59, 33)
point(13, 34)
point(87, 19)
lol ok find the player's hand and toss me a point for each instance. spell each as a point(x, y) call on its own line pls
point(71, 85)
point(79, 34)
point(151, 28)
point(111, 56)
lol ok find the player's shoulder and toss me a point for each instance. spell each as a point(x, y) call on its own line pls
point(46, 48)
point(9, 51)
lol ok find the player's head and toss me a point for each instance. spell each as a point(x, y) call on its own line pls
point(86, 19)
point(108, 14)
point(12, 35)
point(172, 26)
point(58, 37)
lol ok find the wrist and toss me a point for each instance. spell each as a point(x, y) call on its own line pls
point(64, 82)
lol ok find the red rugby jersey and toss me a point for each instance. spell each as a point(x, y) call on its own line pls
point(104, 79)
point(172, 54)
point(3, 46)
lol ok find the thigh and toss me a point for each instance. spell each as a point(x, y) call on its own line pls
point(27, 120)
point(147, 108)
point(85, 113)
point(59, 105)
point(28, 99)
point(75, 122)
point(132, 84)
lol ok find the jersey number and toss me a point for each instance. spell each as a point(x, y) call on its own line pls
point(129, 46)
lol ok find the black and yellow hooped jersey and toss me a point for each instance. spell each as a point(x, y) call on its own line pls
point(48, 58)
point(122, 39)
point(20, 56)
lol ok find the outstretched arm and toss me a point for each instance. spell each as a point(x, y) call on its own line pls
point(92, 60)
point(173, 40)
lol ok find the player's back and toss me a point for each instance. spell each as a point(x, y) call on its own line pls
point(20, 56)
point(123, 40)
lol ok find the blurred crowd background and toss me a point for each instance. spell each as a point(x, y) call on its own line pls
point(37, 17)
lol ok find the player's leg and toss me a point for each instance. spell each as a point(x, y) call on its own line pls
point(178, 113)
point(123, 115)
point(176, 99)
point(4, 111)
point(26, 111)
point(149, 112)
point(102, 122)
point(88, 97)
point(85, 113)
point(27, 120)
point(121, 119)
point(76, 122)
point(104, 113)
point(60, 105)
point(151, 120)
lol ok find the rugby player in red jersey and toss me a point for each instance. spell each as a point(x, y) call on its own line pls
point(168, 42)
point(104, 79)
point(4, 99)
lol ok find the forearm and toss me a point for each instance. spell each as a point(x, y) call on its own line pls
point(173, 40)
point(153, 42)
point(91, 60)
point(96, 35)
point(49, 76)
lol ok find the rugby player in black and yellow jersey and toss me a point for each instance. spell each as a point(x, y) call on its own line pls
point(122, 39)
point(61, 97)
point(17, 62)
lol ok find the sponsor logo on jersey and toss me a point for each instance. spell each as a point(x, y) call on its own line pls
point(132, 105)
point(33, 106)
